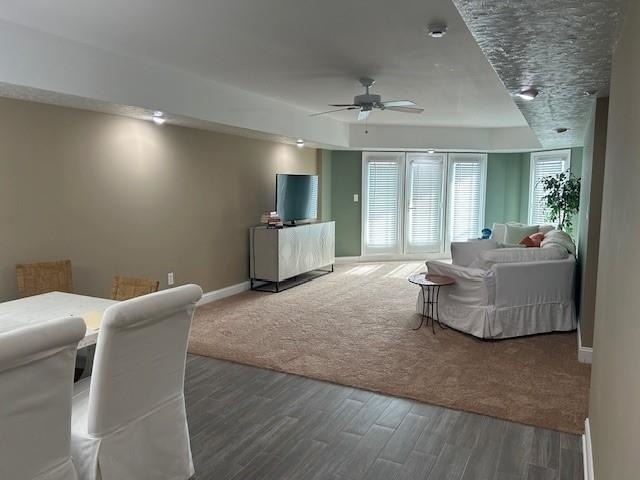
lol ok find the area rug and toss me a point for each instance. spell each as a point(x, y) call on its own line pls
point(354, 327)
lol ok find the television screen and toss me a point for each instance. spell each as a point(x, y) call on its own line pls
point(296, 197)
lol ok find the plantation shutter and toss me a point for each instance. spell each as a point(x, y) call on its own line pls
point(383, 174)
point(425, 174)
point(466, 196)
point(544, 164)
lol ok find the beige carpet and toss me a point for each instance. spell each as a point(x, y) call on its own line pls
point(354, 327)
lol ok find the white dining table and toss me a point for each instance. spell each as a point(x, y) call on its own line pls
point(50, 306)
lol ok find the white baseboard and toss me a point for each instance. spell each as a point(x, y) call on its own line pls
point(587, 453)
point(224, 292)
point(585, 354)
point(348, 259)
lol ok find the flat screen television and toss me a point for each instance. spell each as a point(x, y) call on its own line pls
point(296, 197)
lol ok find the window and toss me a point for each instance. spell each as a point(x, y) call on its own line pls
point(424, 199)
point(314, 197)
point(417, 203)
point(382, 184)
point(544, 164)
point(467, 172)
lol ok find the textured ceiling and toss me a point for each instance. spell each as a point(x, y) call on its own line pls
point(562, 47)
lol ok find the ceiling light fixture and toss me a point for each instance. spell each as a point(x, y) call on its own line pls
point(431, 151)
point(437, 30)
point(562, 130)
point(590, 93)
point(528, 94)
point(300, 143)
point(158, 117)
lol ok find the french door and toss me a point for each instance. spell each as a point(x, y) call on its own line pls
point(424, 202)
point(382, 205)
point(418, 202)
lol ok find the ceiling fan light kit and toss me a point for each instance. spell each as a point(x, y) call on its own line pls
point(367, 102)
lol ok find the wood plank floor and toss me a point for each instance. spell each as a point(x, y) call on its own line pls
point(249, 423)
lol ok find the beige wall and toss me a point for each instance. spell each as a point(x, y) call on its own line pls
point(123, 196)
point(615, 384)
point(590, 216)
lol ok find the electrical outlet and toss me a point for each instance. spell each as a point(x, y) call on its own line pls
point(355, 197)
point(170, 278)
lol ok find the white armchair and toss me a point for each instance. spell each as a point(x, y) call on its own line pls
point(36, 381)
point(507, 292)
point(131, 423)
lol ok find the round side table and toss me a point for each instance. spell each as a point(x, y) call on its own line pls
point(430, 285)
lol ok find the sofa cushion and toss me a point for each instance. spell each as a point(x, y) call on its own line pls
point(558, 238)
point(498, 232)
point(517, 255)
point(515, 233)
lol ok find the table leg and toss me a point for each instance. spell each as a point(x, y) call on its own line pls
point(438, 310)
point(424, 308)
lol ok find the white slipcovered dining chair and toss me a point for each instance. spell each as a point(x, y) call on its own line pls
point(36, 383)
point(129, 419)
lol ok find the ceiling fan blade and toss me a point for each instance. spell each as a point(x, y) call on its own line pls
point(342, 105)
point(398, 103)
point(332, 111)
point(363, 114)
point(405, 109)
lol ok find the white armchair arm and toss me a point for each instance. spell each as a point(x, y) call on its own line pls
point(533, 283)
point(463, 253)
point(473, 286)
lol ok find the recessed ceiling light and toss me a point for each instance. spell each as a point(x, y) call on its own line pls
point(158, 117)
point(437, 30)
point(528, 94)
point(431, 151)
point(300, 143)
point(562, 130)
point(590, 93)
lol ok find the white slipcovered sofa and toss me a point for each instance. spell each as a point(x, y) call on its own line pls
point(506, 292)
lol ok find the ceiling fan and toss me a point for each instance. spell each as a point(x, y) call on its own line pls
point(366, 102)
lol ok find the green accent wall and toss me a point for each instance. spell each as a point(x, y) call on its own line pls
point(507, 196)
point(326, 200)
point(346, 180)
point(504, 188)
point(524, 187)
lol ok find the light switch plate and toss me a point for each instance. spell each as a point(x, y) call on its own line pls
point(355, 197)
point(170, 278)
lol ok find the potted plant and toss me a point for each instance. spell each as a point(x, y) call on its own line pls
point(561, 198)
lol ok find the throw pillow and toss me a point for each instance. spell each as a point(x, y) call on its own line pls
point(528, 242)
point(516, 233)
point(533, 240)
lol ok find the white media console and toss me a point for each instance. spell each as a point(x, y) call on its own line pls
point(278, 254)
